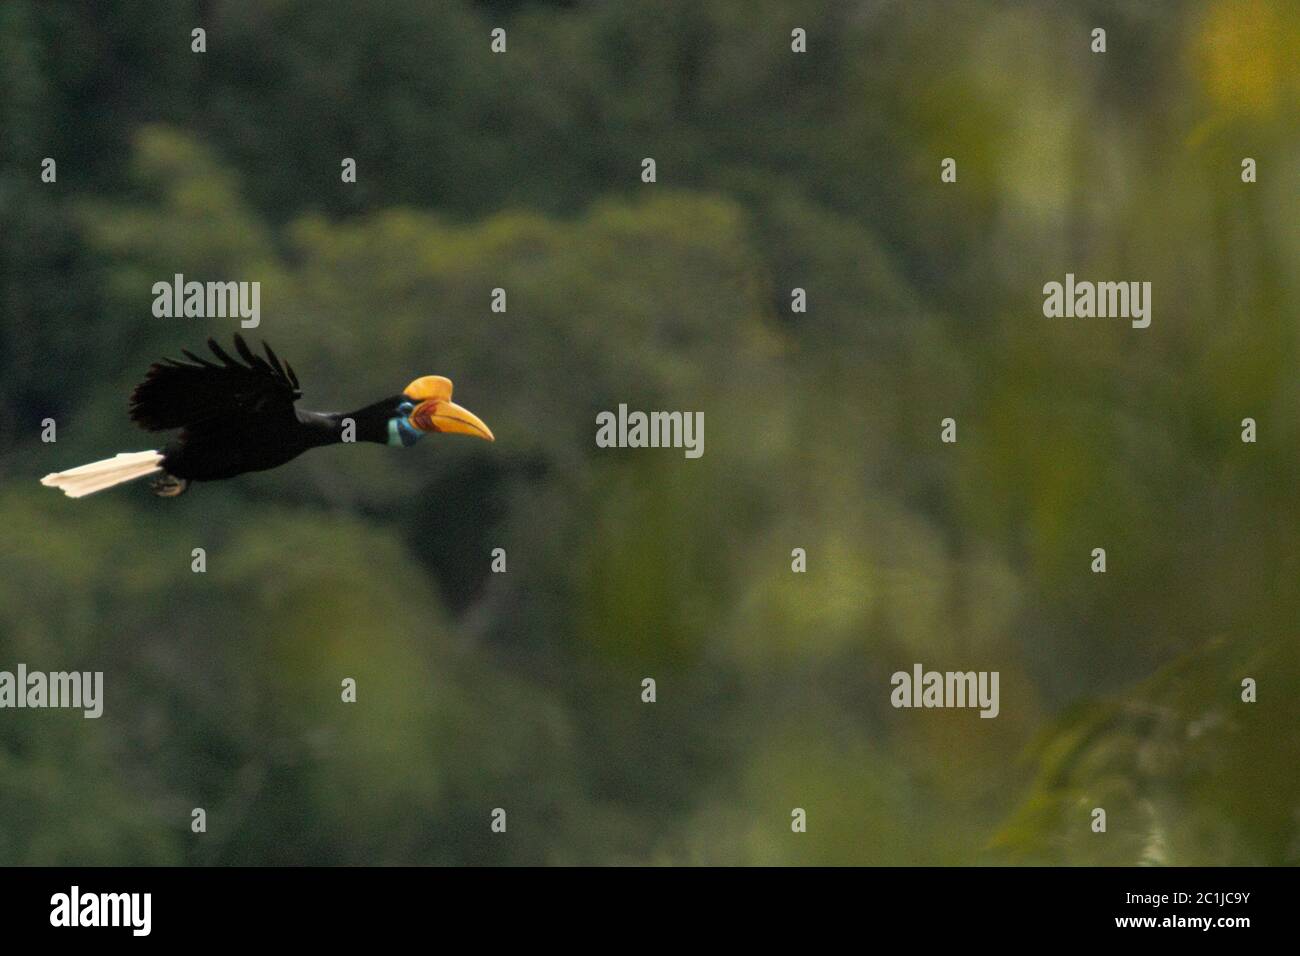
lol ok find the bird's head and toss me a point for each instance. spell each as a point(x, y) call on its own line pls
point(425, 406)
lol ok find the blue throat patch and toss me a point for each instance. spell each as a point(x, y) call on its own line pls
point(401, 434)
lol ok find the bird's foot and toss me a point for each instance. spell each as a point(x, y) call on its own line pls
point(169, 486)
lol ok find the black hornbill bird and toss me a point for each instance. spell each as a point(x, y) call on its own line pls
point(239, 416)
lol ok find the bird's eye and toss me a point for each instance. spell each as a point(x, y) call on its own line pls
point(406, 408)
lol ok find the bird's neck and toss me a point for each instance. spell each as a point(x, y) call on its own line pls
point(367, 424)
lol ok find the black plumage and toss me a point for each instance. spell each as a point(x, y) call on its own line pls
point(237, 414)
point(178, 394)
point(237, 417)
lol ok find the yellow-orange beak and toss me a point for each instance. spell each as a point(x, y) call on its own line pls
point(437, 415)
point(436, 412)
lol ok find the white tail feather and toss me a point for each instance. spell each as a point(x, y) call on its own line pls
point(98, 475)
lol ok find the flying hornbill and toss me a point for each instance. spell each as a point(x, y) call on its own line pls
point(240, 416)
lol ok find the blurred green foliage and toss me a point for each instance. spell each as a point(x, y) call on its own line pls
point(521, 690)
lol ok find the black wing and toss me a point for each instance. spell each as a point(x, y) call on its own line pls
point(185, 394)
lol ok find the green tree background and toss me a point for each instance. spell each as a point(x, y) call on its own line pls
point(776, 170)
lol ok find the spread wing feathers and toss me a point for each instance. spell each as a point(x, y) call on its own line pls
point(186, 394)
